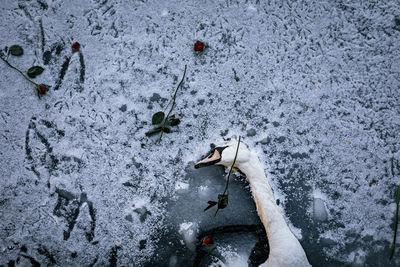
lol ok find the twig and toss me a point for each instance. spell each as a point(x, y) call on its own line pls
point(173, 104)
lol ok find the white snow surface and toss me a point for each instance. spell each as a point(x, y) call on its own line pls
point(317, 98)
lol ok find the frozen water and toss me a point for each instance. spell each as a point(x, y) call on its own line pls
point(189, 233)
point(319, 209)
point(186, 222)
point(313, 87)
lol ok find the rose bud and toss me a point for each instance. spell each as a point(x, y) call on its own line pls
point(198, 46)
point(42, 89)
point(75, 46)
point(207, 241)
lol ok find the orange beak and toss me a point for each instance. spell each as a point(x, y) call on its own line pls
point(212, 159)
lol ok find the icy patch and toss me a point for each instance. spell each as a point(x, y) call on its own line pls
point(319, 209)
point(318, 194)
point(203, 191)
point(319, 206)
point(181, 186)
point(232, 257)
point(357, 258)
point(164, 12)
point(189, 231)
point(252, 8)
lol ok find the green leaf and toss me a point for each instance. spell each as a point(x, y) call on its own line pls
point(210, 204)
point(237, 79)
point(16, 50)
point(35, 71)
point(166, 130)
point(174, 121)
point(158, 117)
point(222, 201)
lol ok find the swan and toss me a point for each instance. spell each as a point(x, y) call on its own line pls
point(285, 249)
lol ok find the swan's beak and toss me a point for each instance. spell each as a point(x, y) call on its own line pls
point(213, 158)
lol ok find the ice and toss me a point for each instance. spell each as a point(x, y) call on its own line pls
point(233, 258)
point(316, 99)
point(181, 186)
point(164, 12)
point(189, 232)
point(319, 210)
point(186, 220)
point(357, 258)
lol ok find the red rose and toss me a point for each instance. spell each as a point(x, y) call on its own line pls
point(75, 46)
point(198, 46)
point(207, 241)
point(42, 89)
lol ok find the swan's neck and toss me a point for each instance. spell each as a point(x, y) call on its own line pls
point(280, 237)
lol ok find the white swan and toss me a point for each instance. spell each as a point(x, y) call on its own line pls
point(285, 249)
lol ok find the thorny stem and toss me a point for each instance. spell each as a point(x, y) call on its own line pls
point(173, 104)
point(233, 164)
point(169, 102)
point(229, 174)
point(23, 75)
point(395, 223)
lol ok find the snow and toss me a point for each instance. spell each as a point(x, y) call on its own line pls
point(181, 186)
point(189, 232)
point(317, 99)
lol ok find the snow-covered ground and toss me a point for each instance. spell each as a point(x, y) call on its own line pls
point(317, 96)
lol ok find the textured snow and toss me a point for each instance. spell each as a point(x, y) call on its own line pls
point(317, 98)
point(188, 230)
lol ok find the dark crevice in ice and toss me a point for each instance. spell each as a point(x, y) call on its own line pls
point(114, 256)
point(94, 262)
point(63, 71)
point(45, 252)
point(51, 125)
point(68, 206)
point(43, 5)
point(83, 68)
point(33, 261)
point(49, 159)
point(27, 14)
point(28, 150)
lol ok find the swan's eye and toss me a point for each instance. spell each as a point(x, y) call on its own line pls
point(220, 149)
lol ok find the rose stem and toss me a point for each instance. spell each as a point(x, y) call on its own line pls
point(26, 78)
point(173, 104)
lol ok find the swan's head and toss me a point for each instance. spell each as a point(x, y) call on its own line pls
point(224, 154)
